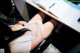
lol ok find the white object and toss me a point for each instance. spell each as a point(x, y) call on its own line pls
point(68, 16)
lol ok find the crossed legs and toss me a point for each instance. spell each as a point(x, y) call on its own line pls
point(47, 28)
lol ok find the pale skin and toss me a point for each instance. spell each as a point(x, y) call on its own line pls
point(47, 28)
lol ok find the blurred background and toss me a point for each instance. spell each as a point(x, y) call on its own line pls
point(62, 40)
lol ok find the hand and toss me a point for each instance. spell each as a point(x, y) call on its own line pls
point(18, 26)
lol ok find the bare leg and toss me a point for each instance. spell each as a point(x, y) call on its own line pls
point(48, 27)
point(38, 17)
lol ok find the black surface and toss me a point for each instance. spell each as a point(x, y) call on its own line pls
point(66, 39)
